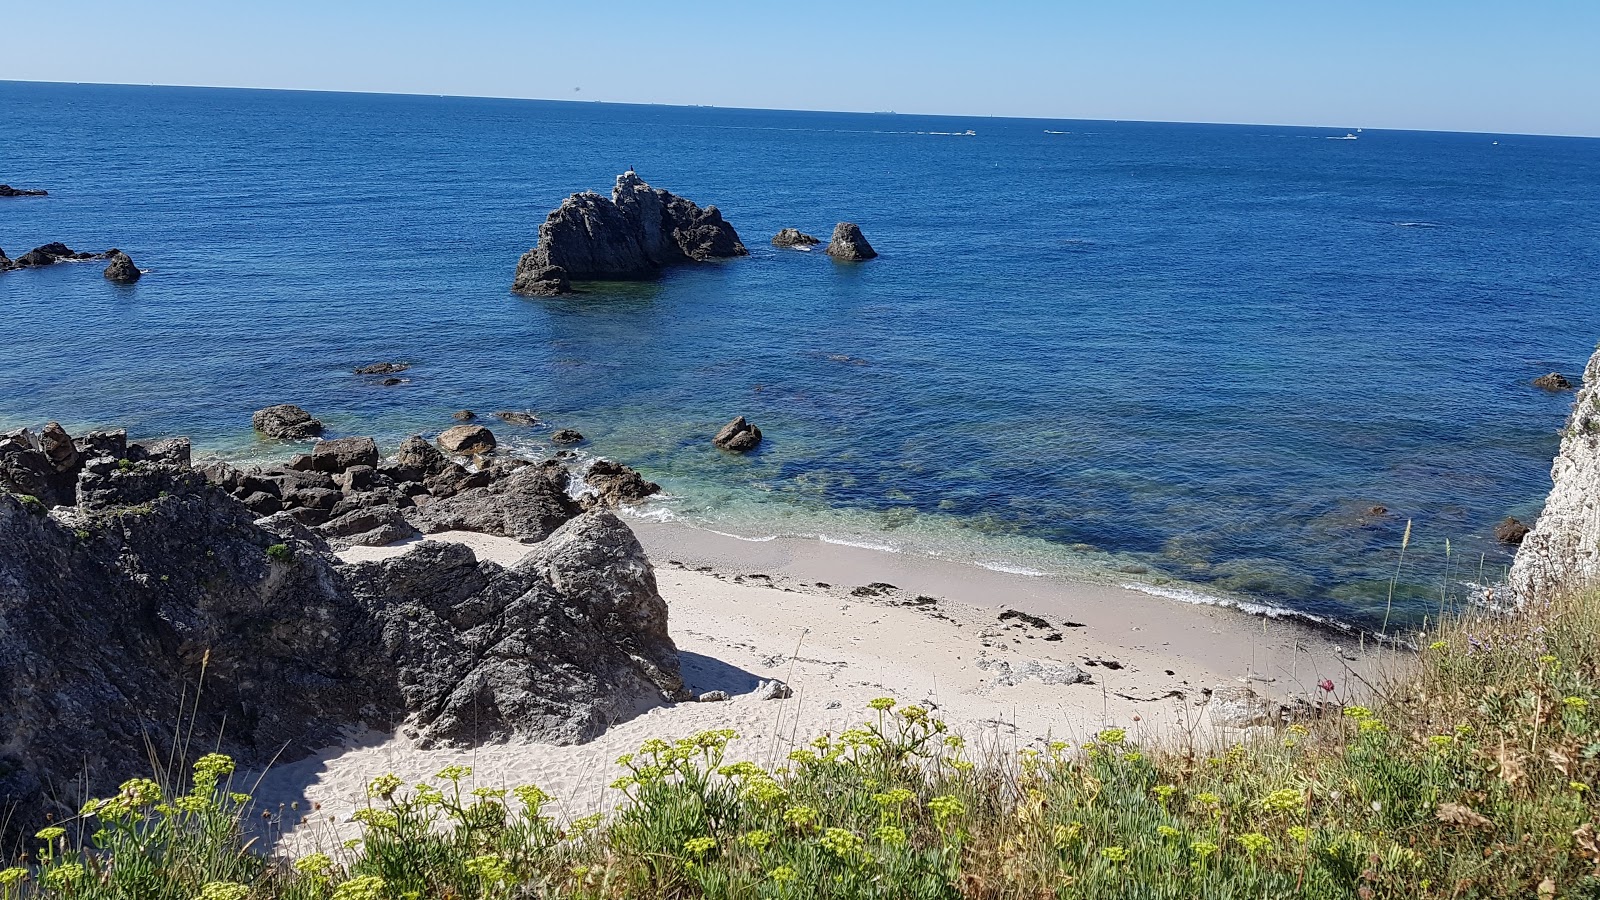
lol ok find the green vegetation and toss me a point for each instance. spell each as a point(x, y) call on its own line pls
point(32, 504)
point(1470, 776)
point(280, 553)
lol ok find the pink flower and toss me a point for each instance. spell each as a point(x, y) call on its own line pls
point(1326, 684)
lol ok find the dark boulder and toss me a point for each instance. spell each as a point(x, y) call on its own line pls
point(384, 368)
point(372, 526)
point(738, 436)
point(419, 459)
point(58, 447)
point(7, 190)
point(286, 422)
point(1511, 531)
point(528, 505)
point(49, 254)
point(849, 243)
point(567, 436)
point(794, 237)
point(1554, 381)
point(173, 451)
point(467, 440)
point(615, 484)
point(341, 453)
point(121, 269)
point(464, 415)
point(113, 443)
point(633, 234)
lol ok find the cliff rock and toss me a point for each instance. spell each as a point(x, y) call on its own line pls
point(1562, 552)
point(794, 237)
point(633, 234)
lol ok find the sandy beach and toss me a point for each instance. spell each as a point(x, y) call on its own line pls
point(1007, 660)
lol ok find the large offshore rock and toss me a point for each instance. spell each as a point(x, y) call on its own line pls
point(634, 234)
point(1562, 552)
point(738, 436)
point(615, 484)
point(286, 422)
point(849, 243)
point(120, 268)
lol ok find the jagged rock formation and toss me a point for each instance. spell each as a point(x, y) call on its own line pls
point(1555, 381)
point(614, 484)
point(113, 605)
point(121, 269)
point(7, 190)
point(794, 237)
point(286, 422)
point(48, 255)
point(1562, 552)
point(528, 504)
point(737, 436)
point(849, 243)
point(634, 234)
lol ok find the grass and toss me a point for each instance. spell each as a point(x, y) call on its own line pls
point(1467, 777)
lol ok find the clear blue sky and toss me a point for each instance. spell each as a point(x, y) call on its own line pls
point(1471, 65)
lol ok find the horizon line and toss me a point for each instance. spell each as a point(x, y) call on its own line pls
point(846, 112)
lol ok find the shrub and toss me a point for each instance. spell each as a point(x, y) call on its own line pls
point(282, 553)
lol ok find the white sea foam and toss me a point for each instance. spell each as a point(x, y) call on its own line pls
point(1011, 570)
point(653, 513)
point(1418, 225)
point(864, 545)
point(1201, 598)
point(739, 537)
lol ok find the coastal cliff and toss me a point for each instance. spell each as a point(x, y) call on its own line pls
point(1562, 552)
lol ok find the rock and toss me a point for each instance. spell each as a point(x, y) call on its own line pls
point(453, 479)
point(566, 436)
point(111, 614)
point(47, 255)
point(341, 453)
point(174, 451)
point(368, 527)
point(383, 368)
point(7, 190)
point(121, 269)
point(737, 436)
point(324, 499)
point(528, 505)
point(262, 503)
point(391, 382)
point(418, 456)
point(712, 697)
point(794, 237)
point(286, 422)
point(465, 415)
point(27, 470)
point(773, 690)
point(356, 478)
point(112, 443)
point(615, 484)
point(1511, 531)
point(849, 243)
point(634, 234)
point(1555, 381)
point(524, 419)
point(58, 447)
point(467, 440)
point(1561, 554)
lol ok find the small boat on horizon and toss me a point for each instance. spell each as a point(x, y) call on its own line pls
point(1347, 137)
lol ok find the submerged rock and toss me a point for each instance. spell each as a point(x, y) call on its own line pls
point(121, 269)
point(523, 419)
point(738, 436)
point(464, 415)
point(794, 237)
point(633, 234)
point(1554, 381)
point(7, 190)
point(383, 368)
point(567, 436)
point(849, 243)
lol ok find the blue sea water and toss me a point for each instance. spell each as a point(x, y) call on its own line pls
point(1185, 356)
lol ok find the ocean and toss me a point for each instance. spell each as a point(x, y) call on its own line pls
point(1189, 358)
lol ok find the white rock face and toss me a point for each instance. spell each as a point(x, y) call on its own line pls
point(1562, 552)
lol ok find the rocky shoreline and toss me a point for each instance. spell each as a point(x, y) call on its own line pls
point(134, 579)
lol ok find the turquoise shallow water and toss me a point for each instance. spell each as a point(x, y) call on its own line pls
point(1198, 353)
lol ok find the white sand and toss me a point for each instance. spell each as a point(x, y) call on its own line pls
point(735, 628)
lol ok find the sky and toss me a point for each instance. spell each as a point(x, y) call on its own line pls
point(1531, 66)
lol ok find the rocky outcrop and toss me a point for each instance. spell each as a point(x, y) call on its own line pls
point(1511, 531)
point(466, 440)
point(383, 368)
point(286, 422)
point(634, 234)
point(1562, 552)
point(1555, 381)
point(520, 419)
point(113, 610)
point(738, 436)
point(120, 268)
point(47, 255)
point(849, 243)
point(7, 190)
point(567, 436)
point(528, 504)
point(794, 237)
point(614, 484)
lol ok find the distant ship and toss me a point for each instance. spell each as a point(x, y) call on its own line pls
point(1347, 137)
